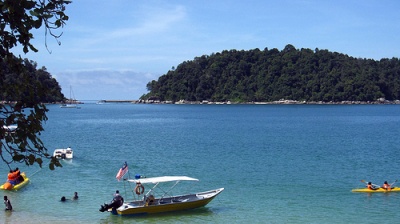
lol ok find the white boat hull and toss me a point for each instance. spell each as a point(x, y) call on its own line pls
point(68, 106)
point(67, 153)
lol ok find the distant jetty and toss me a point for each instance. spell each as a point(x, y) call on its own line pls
point(117, 101)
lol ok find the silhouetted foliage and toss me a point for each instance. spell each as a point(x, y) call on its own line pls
point(21, 82)
point(45, 88)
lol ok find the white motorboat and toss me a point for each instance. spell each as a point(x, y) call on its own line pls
point(159, 201)
point(67, 153)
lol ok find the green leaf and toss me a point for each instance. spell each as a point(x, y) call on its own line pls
point(39, 161)
point(31, 159)
point(18, 157)
point(58, 23)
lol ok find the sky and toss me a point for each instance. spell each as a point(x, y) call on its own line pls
point(111, 49)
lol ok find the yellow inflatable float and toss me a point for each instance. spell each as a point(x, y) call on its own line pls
point(15, 181)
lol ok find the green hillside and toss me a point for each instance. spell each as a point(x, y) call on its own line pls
point(34, 82)
point(270, 75)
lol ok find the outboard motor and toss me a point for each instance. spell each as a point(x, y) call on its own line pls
point(114, 204)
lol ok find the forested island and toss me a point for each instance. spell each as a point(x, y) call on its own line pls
point(270, 75)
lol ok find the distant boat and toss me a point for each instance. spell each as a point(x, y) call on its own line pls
point(67, 153)
point(68, 106)
point(72, 101)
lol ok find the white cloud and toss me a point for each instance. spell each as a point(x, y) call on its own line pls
point(152, 26)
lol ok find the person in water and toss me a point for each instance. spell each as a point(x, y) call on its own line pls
point(386, 186)
point(7, 203)
point(63, 199)
point(75, 196)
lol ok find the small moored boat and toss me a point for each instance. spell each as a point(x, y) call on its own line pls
point(67, 153)
point(161, 200)
point(72, 102)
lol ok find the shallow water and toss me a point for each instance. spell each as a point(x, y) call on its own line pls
point(277, 163)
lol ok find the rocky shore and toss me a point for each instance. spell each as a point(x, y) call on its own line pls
point(282, 101)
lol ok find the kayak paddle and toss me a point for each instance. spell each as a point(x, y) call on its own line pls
point(393, 183)
point(365, 182)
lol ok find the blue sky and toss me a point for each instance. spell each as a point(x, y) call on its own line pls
point(112, 49)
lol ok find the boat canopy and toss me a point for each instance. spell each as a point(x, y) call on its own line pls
point(154, 180)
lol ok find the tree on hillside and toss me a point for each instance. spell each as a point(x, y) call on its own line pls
point(271, 75)
point(17, 19)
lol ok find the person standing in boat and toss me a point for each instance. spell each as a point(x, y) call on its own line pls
point(7, 203)
point(118, 198)
point(116, 202)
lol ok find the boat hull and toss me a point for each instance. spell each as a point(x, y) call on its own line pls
point(67, 153)
point(380, 190)
point(132, 208)
point(17, 186)
point(68, 106)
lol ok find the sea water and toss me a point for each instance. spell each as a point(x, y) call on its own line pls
point(277, 163)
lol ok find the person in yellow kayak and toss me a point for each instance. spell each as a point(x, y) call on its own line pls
point(371, 186)
point(386, 186)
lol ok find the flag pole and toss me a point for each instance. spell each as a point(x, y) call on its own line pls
point(129, 175)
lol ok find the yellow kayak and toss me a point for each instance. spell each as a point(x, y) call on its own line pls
point(379, 190)
point(6, 186)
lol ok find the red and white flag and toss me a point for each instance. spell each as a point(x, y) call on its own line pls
point(122, 171)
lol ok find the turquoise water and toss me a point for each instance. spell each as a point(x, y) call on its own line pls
point(277, 163)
